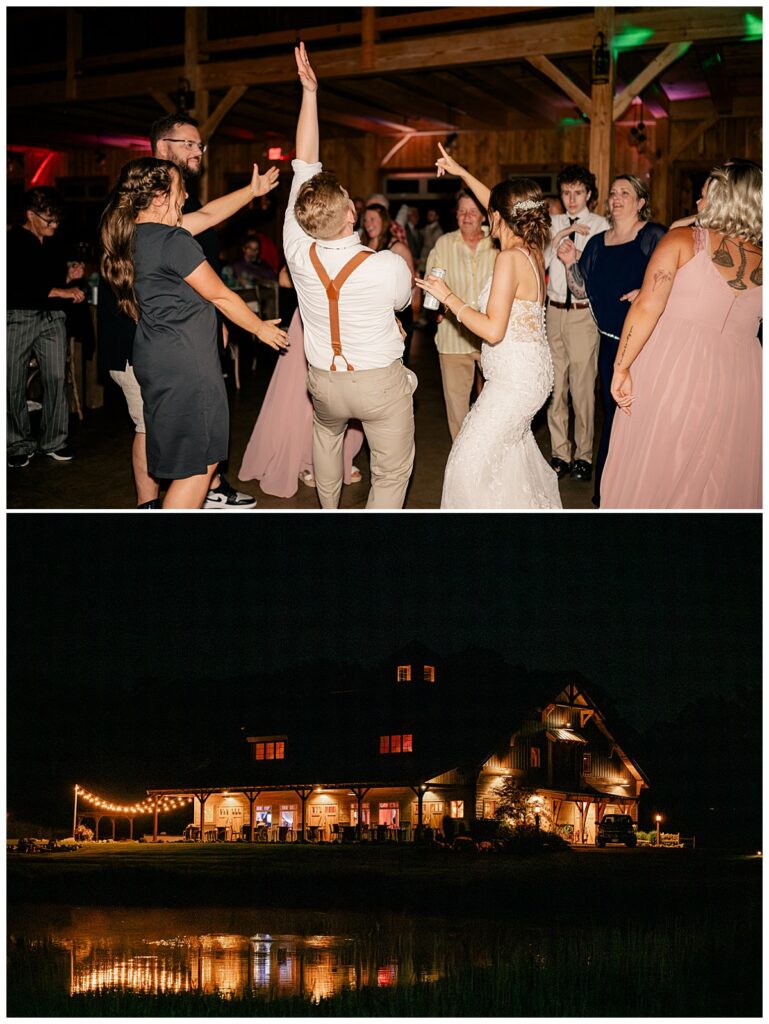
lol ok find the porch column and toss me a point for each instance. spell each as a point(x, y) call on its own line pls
point(420, 793)
point(155, 820)
point(251, 795)
point(359, 792)
point(130, 827)
point(114, 822)
point(303, 792)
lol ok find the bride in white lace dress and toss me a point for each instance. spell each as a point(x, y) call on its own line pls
point(495, 461)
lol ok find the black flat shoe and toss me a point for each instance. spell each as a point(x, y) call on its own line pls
point(582, 471)
point(561, 468)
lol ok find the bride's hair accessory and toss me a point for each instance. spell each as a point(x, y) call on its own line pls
point(526, 204)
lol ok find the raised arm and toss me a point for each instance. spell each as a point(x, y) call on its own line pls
point(671, 252)
point(446, 164)
point(307, 130)
point(491, 325)
point(210, 286)
point(220, 209)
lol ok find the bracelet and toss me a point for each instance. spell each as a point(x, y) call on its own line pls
point(464, 304)
point(446, 302)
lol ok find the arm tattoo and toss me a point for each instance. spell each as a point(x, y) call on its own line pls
point(624, 349)
point(576, 282)
point(661, 277)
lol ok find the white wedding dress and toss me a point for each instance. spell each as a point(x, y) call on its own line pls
point(495, 461)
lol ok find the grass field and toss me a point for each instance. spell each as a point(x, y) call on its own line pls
point(625, 933)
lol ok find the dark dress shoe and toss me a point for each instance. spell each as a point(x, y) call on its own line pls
point(561, 468)
point(582, 470)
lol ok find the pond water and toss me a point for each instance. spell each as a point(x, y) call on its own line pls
point(244, 952)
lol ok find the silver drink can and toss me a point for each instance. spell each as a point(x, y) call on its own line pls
point(430, 301)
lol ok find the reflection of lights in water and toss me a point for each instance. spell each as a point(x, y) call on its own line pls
point(315, 966)
point(387, 975)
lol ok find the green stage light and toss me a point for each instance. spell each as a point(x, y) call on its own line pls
point(630, 38)
point(754, 27)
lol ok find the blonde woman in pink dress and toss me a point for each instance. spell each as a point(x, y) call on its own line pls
point(690, 433)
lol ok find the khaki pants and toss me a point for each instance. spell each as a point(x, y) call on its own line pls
point(382, 400)
point(573, 338)
point(458, 376)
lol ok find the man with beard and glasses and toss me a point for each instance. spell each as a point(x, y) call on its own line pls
point(174, 137)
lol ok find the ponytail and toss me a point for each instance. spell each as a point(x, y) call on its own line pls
point(140, 181)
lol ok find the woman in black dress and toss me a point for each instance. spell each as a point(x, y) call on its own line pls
point(610, 273)
point(163, 282)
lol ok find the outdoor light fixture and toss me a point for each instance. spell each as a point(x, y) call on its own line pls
point(601, 64)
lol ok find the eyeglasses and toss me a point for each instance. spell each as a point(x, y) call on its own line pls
point(47, 220)
point(188, 144)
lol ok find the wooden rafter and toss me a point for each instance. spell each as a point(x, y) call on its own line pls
point(692, 136)
point(663, 60)
point(562, 80)
point(164, 100)
point(222, 109)
point(711, 63)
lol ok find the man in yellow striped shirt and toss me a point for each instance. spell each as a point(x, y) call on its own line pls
point(467, 256)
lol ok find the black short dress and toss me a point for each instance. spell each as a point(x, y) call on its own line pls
point(175, 357)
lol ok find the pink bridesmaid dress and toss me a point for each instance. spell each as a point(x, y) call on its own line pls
point(280, 447)
point(693, 439)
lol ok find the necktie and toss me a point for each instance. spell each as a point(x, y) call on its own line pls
point(572, 236)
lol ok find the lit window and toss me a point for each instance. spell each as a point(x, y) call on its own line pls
point(429, 673)
point(489, 807)
point(534, 757)
point(457, 809)
point(587, 764)
point(404, 673)
point(408, 744)
point(395, 744)
point(270, 750)
point(384, 744)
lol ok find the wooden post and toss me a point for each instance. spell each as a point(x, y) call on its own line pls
point(130, 827)
point(74, 815)
point(661, 172)
point(74, 51)
point(155, 820)
point(368, 37)
point(602, 120)
point(195, 32)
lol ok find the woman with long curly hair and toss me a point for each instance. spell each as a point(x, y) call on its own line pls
point(163, 282)
point(495, 461)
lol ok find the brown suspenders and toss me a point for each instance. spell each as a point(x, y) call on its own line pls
point(333, 289)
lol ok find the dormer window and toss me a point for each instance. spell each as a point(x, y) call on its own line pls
point(268, 748)
point(429, 673)
point(401, 743)
point(404, 673)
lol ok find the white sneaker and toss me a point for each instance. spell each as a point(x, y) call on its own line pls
point(226, 497)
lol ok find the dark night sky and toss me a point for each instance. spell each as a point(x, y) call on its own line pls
point(655, 609)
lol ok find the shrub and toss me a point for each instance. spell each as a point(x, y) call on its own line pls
point(526, 840)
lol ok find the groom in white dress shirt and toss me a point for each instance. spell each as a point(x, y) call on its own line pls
point(355, 357)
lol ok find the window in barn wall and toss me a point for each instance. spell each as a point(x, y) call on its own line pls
point(270, 750)
point(587, 764)
point(429, 673)
point(457, 809)
point(365, 814)
point(400, 743)
point(389, 814)
point(534, 761)
point(404, 673)
point(489, 807)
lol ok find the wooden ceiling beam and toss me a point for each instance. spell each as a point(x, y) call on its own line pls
point(473, 101)
point(508, 81)
point(671, 53)
point(400, 95)
point(223, 108)
point(386, 23)
point(551, 38)
point(546, 67)
point(692, 136)
point(711, 62)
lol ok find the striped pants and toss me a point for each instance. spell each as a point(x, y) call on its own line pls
point(44, 334)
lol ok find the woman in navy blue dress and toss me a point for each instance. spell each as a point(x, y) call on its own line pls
point(610, 273)
point(162, 280)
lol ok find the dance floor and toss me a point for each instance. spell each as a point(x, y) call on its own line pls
point(100, 476)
